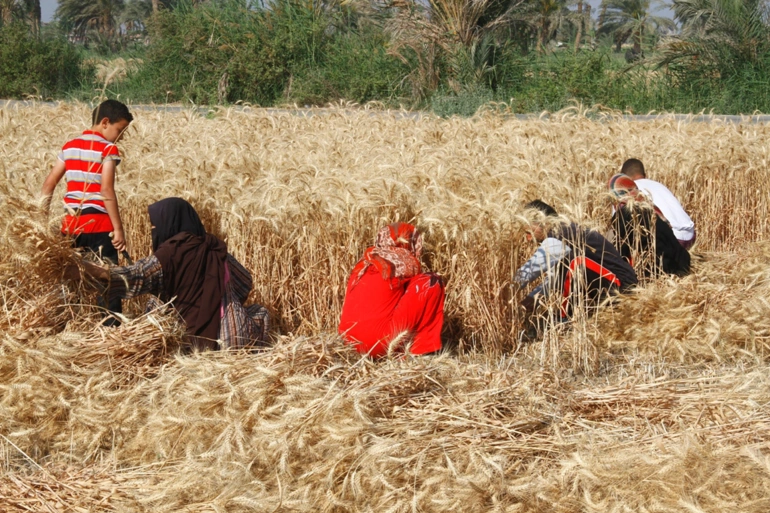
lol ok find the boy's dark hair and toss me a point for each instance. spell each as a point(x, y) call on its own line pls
point(543, 207)
point(632, 168)
point(112, 110)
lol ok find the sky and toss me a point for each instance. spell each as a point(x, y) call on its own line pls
point(657, 8)
point(49, 6)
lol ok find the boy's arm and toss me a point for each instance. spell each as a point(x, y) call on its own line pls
point(111, 203)
point(550, 252)
point(53, 178)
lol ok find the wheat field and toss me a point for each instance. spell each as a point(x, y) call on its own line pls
point(658, 403)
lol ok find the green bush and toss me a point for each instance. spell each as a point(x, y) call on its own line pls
point(285, 40)
point(48, 66)
point(190, 49)
point(355, 67)
point(293, 51)
point(244, 54)
point(288, 51)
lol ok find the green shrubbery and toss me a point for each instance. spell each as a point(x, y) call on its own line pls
point(314, 53)
point(44, 67)
point(288, 53)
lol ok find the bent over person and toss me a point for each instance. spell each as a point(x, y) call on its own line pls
point(565, 252)
point(640, 226)
point(388, 295)
point(193, 271)
point(664, 199)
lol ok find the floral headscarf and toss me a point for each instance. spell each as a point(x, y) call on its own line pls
point(395, 254)
point(624, 189)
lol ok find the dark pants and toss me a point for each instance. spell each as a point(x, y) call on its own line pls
point(599, 282)
point(101, 245)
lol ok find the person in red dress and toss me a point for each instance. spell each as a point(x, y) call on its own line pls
point(388, 295)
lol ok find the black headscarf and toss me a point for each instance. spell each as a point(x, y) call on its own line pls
point(193, 265)
point(171, 216)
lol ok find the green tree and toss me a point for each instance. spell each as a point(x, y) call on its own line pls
point(22, 10)
point(7, 8)
point(441, 40)
point(722, 34)
point(582, 19)
point(46, 66)
point(35, 14)
point(546, 18)
point(136, 13)
point(626, 18)
point(102, 16)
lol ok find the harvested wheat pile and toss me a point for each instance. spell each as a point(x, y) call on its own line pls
point(81, 490)
point(658, 403)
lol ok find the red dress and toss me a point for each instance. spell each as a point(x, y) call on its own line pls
point(378, 309)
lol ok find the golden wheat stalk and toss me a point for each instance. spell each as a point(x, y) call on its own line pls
point(657, 401)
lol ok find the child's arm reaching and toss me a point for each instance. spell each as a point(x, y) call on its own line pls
point(111, 203)
point(53, 178)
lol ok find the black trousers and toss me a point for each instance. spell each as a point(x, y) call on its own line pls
point(101, 245)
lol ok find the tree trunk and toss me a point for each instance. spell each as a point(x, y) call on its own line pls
point(580, 25)
point(602, 15)
point(155, 6)
point(638, 40)
point(541, 37)
point(6, 9)
point(37, 16)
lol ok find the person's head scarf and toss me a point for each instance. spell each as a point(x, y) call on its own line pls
point(625, 191)
point(172, 216)
point(395, 254)
point(193, 265)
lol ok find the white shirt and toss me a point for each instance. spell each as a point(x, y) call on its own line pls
point(664, 199)
point(551, 252)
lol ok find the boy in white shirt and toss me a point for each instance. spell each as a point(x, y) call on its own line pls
point(664, 199)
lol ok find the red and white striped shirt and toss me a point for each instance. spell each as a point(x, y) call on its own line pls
point(83, 159)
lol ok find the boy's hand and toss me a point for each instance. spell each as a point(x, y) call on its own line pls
point(51, 180)
point(118, 240)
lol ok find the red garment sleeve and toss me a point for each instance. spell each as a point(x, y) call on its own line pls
point(111, 152)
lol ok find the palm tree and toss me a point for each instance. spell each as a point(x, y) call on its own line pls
point(701, 17)
point(720, 33)
point(23, 10)
point(579, 25)
point(692, 14)
point(7, 11)
point(546, 17)
point(33, 14)
point(631, 18)
point(580, 20)
point(136, 13)
point(422, 31)
point(82, 15)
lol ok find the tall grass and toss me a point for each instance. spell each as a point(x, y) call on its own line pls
point(658, 401)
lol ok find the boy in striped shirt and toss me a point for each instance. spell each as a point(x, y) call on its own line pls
point(88, 163)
